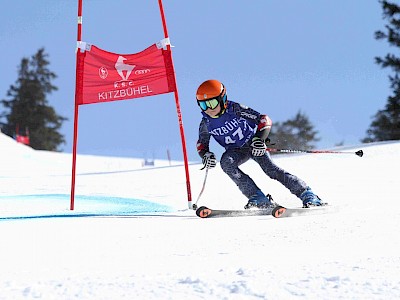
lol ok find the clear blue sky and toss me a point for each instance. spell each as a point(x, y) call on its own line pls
point(276, 56)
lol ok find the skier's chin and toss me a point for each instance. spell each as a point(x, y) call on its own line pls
point(214, 113)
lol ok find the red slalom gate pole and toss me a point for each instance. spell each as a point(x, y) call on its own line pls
point(178, 110)
point(76, 111)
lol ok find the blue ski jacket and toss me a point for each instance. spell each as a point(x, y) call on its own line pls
point(235, 128)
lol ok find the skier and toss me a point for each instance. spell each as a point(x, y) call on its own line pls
point(243, 132)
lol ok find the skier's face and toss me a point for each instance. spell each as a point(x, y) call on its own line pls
point(213, 112)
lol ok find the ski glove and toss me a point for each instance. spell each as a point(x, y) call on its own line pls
point(209, 160)
point(258, 147)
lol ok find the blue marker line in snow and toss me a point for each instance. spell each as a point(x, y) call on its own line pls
point(19, 207)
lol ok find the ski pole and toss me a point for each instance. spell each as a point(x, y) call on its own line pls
point(194, 206)
point(359, 153)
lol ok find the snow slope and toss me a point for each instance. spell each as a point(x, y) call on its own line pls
point(131, 236)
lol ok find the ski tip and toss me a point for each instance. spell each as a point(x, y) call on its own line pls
point(203, 212)
point(278, 211)
point(360, 153)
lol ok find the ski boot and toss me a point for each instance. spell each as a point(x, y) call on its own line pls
point(259, 200)
point(310, 199)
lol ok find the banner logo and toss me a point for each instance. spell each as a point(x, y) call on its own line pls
point(124, 71)
point(142, 72)
point(103, 72)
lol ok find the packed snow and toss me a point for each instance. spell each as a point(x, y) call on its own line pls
point(132, 236)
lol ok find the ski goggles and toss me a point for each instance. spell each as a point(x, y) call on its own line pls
point(210, 103)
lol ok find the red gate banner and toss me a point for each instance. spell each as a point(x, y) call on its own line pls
point(106, 76)
point(103, 76)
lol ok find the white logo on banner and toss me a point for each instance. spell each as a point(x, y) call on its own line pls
point(121, 67)
point(103, 72)
point(124, 70)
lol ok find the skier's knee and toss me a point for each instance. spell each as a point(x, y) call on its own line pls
point(227, 164)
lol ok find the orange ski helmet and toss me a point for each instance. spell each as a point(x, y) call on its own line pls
point(209, 90)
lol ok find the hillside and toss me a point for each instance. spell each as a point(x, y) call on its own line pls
point(131, 235)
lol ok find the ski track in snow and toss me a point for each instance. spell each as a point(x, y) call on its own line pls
point(131, 235)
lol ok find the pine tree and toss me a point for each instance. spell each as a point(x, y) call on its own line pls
point(294, 134)
point(27, 105)
point(386, 122)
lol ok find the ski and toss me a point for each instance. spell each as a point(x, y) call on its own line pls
point(205, 212)
point(277, 212)
point(284, 212)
